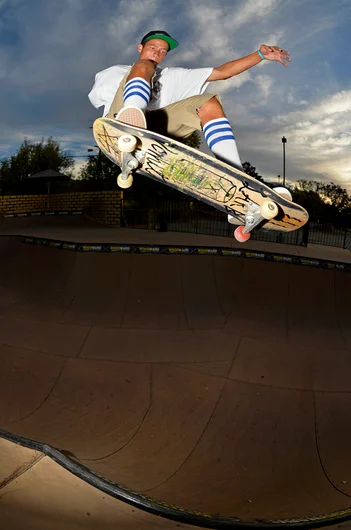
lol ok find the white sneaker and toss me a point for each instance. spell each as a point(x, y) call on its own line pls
point(284, 192)
point(131, 116)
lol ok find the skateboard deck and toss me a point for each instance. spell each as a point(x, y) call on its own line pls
point(196, 174)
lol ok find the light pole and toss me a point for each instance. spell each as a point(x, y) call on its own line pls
point(284, 142)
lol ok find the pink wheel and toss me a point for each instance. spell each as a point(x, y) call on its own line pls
point(239, 236)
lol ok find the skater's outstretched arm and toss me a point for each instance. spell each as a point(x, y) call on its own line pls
point(232, 68)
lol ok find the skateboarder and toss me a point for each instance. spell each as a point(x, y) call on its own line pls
point(172, 101)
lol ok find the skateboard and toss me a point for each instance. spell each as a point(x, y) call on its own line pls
point(248, 202)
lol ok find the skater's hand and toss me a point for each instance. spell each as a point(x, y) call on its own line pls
point(273, 53)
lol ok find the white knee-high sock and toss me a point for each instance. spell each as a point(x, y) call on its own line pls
point(220, 139)
point(137, 92)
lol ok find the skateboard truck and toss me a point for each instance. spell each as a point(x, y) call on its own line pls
point(126, 145)
point(254, 215)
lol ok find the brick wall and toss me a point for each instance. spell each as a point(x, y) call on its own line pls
point(104, 206)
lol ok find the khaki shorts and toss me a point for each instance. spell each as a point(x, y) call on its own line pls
point(177, 120)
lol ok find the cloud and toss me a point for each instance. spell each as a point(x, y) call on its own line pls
point(275, 38)
point(252, 10)
point(50, 52)
point(264, 83)
point(128, 15)
point(229, 86)
point(317, 143)
point(322, 124)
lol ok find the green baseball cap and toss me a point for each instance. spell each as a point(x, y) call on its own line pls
point(162, 35)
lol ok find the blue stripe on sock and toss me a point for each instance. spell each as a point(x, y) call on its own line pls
point(139, 86)
point(220, 139)
point(136, 93)
point(137, 82)
point(135, 89)
point(210, 125)
point(225, 129)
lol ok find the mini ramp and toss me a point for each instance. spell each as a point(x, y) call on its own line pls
point(212, 391)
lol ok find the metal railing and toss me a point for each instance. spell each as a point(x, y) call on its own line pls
point(196, 218)
point(327, 234)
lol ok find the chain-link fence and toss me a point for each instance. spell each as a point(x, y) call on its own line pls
point(327, 234)
point(198, 218)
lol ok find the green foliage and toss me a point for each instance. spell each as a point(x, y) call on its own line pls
point(335, 195)
point(326, 203)
point(329, 193)
point(251, 170)
point(33, 158)
point(99, 167)
point(194, 140)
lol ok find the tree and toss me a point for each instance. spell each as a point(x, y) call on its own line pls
point(326, 203)
point(33, 158)
point(307, 185)
point(313, 203)
point(99, 167)
point(335, 195)
point(251, 170)
point(194, 140)
point(329, 193)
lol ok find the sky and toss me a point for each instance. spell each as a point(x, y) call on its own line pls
point(50, 51)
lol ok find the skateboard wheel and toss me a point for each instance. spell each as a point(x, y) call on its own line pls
point(239, 236)
point(127, 143)
point(269, 209)
point(125, 182)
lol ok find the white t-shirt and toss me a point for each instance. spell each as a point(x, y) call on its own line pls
point(169, 85)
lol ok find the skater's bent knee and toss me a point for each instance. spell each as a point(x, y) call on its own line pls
point(211, 109)
point(142, 68)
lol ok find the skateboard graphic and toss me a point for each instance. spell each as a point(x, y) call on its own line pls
point(249, 202)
